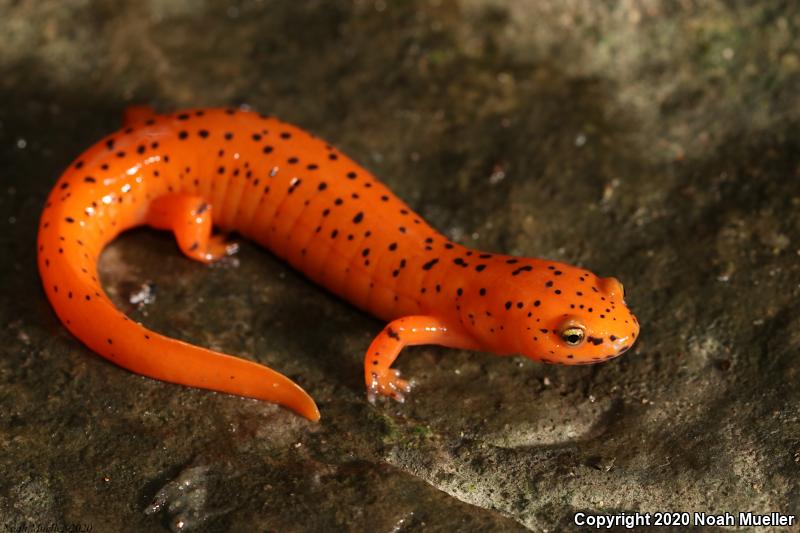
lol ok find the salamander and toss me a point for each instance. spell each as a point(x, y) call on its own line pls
point(329, 218)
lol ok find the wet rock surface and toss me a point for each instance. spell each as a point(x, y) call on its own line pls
point(655, 141)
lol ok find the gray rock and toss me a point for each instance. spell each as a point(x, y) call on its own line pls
point(654, 141)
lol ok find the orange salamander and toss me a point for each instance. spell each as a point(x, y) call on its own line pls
point(330, 219)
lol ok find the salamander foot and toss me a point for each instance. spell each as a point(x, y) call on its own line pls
point(388, 384)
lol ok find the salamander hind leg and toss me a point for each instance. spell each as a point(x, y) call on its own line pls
point(383, 380)
point(139, 113)
point(189, 217)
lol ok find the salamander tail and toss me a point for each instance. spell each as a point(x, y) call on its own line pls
point(70, 281)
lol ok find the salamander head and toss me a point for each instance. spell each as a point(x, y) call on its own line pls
point(548, 312)
point(587, 322)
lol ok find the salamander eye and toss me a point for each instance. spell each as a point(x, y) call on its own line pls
point(573, 335)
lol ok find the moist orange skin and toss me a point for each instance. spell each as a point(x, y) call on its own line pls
point(330, 219)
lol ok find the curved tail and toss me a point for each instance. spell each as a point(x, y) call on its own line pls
point(82, 214)
point(88, 313)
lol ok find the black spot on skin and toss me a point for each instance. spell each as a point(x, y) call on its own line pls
point(392, 334)
point(365, 252)
point(384, 198)
point(429, 265)
point(183, 116)
point(459, 292)
point(358, 218)
point(267, 149)
point(228, 135)
point(558, 291)
point(508, 306)
point(612, 338)
point(482, 292)
point(183, 134)
point(520, 305)
point(543, 330)
point(140, 149)
point(460, 262)
point(393, 247)
point(256, 137)
point(292, 160)
point(79, 165)
point(89, 179)
point(480, 268)
point(202, 208)
point(594, 340)
point(286, 135)
point(322, 186)
point(352, 175)
point(512, 261)
point(203, 134)
point(548, 284)
point(537, 303)
point(195, 245)
point(449, 245)
point(69, 220)
point(526, 268)
point(110, 144)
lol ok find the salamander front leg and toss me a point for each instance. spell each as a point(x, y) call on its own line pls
point(189, 217)
point(408, 331)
